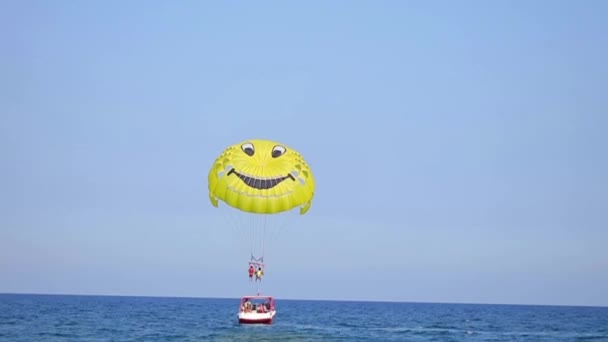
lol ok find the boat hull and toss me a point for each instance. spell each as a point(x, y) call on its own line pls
point(256, 318)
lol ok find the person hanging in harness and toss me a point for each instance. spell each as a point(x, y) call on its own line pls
point(251, 272)
point(258, 274)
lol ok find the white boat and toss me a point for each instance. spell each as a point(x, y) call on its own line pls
point(257, 310)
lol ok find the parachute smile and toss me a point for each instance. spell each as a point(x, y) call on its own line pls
point(260, 183)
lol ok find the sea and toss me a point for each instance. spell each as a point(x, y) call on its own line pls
point(117, 318)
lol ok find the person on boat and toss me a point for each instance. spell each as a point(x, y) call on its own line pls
point(247, 306)
point(251, 272)
point(258, 274)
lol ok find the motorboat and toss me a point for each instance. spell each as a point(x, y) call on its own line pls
point(256, 310)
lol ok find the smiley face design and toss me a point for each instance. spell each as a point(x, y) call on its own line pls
point(261, 176)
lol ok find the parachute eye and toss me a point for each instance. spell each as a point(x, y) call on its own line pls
point(278, 151)
point(248, 149)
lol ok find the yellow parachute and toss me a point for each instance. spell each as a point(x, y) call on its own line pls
point(264, 180)
point(261, 177)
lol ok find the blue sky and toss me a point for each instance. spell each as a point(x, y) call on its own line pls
point(459, 148)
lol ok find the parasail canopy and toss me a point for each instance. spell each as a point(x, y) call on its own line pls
point(261, 177)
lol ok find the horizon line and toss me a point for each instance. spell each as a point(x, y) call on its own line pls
point(298, 299)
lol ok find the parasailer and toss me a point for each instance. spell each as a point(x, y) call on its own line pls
point(251, 272)
point(258, 274)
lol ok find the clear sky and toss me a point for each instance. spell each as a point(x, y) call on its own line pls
point(459, 147)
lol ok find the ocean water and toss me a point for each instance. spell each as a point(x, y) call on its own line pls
point(107, 318)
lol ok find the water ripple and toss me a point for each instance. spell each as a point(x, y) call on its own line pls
point(95, 318)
